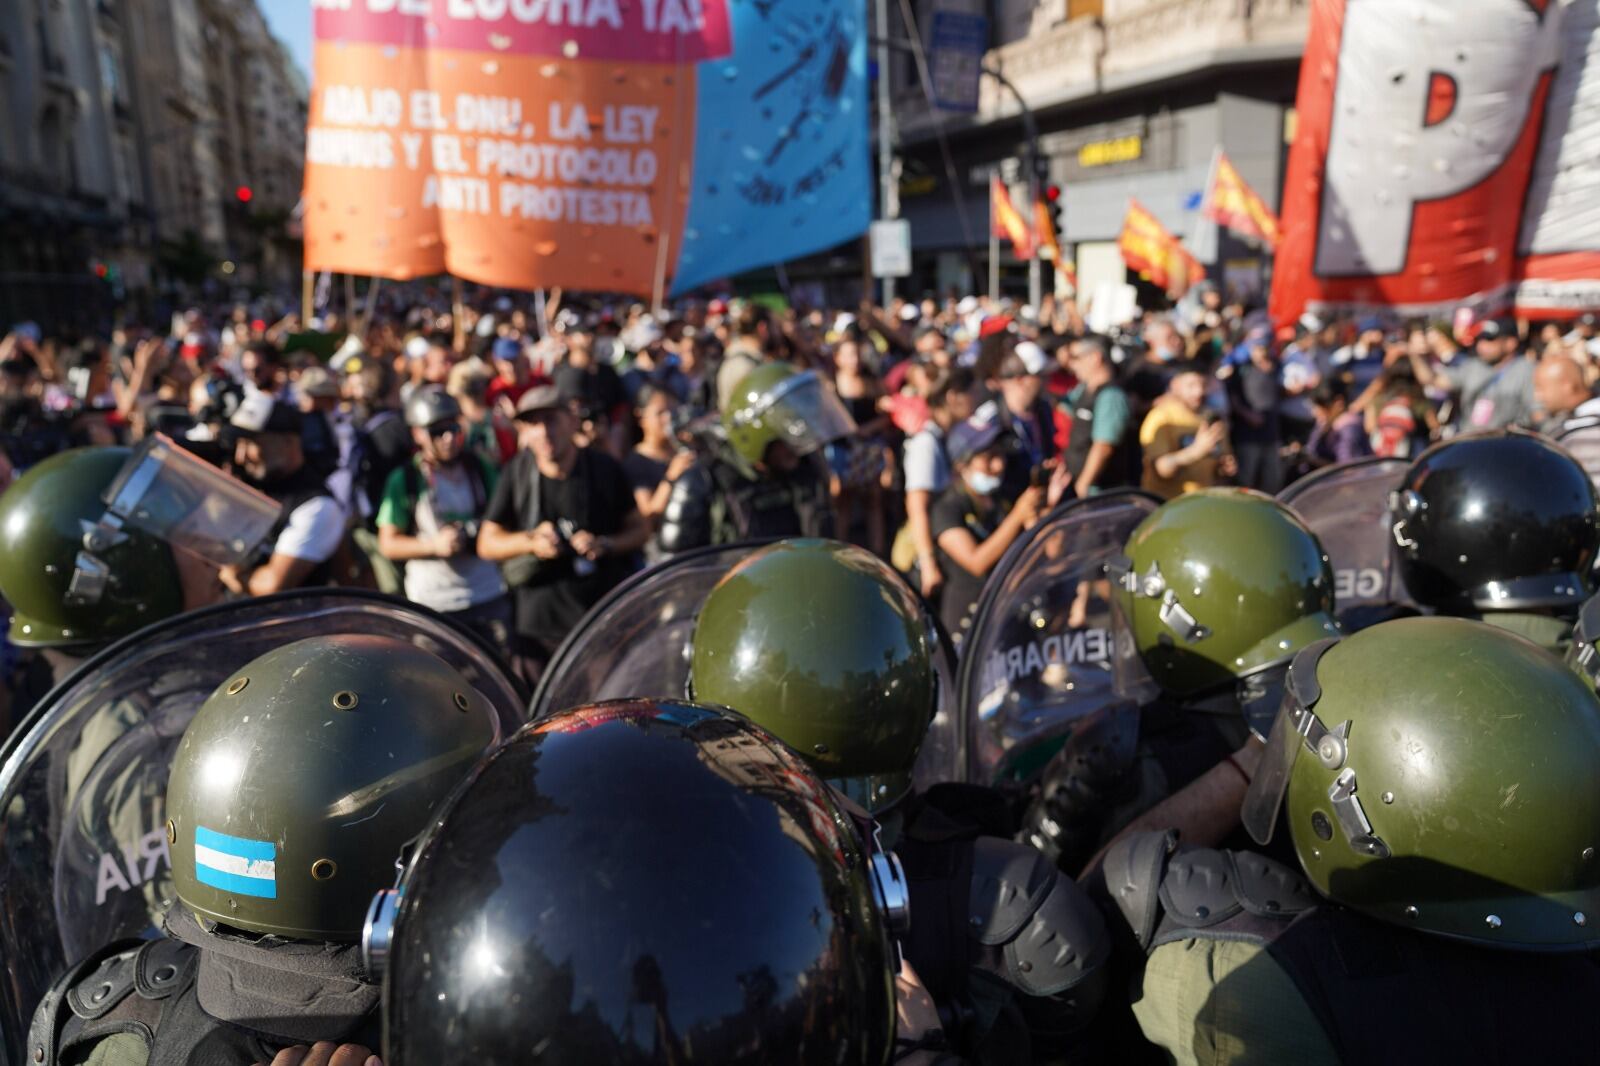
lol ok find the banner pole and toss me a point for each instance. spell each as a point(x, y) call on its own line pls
point(457, 309)
point(994, 242)
point(371, 307)
point(307, 286)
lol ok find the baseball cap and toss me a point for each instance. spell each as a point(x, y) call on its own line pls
point(539, 398)
point(258, 412)
point(994, 324)
point(506, 348)
point(317, 381)
point(1368, 324)
point(967, 306)
point(970, 438)
point(1032, 356)
point(416, 347)
point(1496, 328)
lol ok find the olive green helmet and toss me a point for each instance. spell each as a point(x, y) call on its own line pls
point(1441, 774)
point(822, 645)
point(777, 402)
point(1219, 584)
point(73, 578)
point(303, 775)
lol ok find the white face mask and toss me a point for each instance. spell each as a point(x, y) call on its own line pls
point(982, 482)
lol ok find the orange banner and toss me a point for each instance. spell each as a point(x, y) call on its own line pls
point(518, 158)
point(1231, 202)
point(1007, 221)
point(1155, 253)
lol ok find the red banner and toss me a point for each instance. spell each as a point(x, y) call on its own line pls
point(1151, 250)
point(1442, 159)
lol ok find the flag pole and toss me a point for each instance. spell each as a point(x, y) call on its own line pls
point(994, 241)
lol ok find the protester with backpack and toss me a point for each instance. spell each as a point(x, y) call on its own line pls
point(429, 518)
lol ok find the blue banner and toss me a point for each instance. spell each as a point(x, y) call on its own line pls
point(781, 160)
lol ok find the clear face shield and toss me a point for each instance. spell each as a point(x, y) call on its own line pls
point(803, 412)
point(1130, 675)
point(171, 494)
point(1300, 733)
point(1584, 654)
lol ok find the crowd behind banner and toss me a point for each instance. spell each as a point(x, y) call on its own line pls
point(512, 467)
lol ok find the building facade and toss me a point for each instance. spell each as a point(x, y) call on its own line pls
point(1130, 98)
point(127, 129)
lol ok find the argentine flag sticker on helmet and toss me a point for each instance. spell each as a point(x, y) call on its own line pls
point(234, 864)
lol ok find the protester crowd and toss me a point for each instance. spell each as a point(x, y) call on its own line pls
point(510, 467)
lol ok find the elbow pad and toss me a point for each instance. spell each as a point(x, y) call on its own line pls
point(686, 523)
point(1038, 932)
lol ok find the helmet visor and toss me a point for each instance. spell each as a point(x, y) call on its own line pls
point(1290, 733)
point(1130, 677)
point(174, 495)
point(805, 414)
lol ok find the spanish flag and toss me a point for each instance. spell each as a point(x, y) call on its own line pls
point(1045, 227)
point(1230, 202)
point(1155, 253)
point(1007, 221)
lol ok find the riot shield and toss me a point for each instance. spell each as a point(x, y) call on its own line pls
point(83, 845)
point(1043, 652)
point(636, 643)
point(1347, 507)
point(1581, 438)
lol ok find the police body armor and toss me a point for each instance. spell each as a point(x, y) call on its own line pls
point(1371, 985)
point(145, 992)
point(717, 503)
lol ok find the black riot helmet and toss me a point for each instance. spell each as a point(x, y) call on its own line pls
point(640, 881)
point(1496, 522)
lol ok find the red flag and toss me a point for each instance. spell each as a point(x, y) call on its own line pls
point(1007, 221)
point(1231, 202)
point(1155, 253)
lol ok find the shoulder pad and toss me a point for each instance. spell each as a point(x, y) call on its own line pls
point(51, 1015)
point(1228, 895)
point(163, 967)
point(1198, 888)
point(1009, 882)
point(102, 988)
point(1063, 943)
point(1269, 889)
point(1134, 867)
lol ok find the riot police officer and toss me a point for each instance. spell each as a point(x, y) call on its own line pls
point(80, 572)
point(768, 478)
point(827, 648)
point(1439, 777)
point(641, 881)
point(292, 793)
point(1502, 527)
point(1215, 593)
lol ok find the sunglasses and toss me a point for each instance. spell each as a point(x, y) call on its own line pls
point(444, 429)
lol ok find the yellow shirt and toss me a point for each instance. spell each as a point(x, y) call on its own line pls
point(1168, 428)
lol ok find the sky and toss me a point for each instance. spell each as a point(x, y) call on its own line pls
point(291, 22)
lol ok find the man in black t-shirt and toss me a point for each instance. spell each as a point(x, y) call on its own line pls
point(564, 522)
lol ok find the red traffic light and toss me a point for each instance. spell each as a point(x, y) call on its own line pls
point(1052, 193)
point(101, 271)
point(244, 194)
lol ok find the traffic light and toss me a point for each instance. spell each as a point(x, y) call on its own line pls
point(244, 194)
